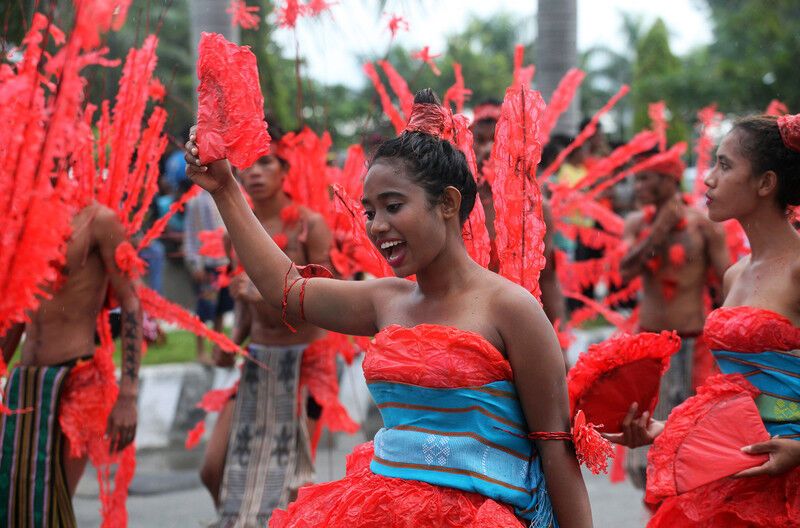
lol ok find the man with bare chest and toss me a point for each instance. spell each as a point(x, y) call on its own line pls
point(675, 249)
point(259, 452)
point(60, 340)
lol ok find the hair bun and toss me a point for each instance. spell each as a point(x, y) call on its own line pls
point(789, 125)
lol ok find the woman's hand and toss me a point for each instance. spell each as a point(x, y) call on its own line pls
point(636, 432)
point(784, 455)
point(212, 177)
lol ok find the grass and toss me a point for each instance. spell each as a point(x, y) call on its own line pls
point(179, 347)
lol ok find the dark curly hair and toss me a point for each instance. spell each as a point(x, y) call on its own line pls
point(433, 163)
point(763, 146)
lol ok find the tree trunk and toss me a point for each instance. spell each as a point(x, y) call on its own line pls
point(556, 53)
point(209, 16)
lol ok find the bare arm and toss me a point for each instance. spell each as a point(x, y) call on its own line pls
point(109, 234)
point(10, 341)
point(541, 384)
point(341, 306)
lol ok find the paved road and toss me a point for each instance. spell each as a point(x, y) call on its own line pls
point(167, 493)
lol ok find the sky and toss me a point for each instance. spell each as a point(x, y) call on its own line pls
point(354, 29)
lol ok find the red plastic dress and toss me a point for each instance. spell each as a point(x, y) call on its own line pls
point(766, 501)
point(430, 356)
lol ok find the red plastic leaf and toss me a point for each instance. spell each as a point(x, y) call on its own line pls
point(128, 260)
point(230, 114)
point(212, 243)
point(289, 12)
point(522, 75)
point(519, 224)
point(776, 108)
point(707, 116)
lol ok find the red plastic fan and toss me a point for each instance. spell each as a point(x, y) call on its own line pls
point(703, 439)
point(617, 372)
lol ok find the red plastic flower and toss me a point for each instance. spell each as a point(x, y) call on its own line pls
point(425, 56)
point(677, 255)
point(397, 23)
point(243, 15)
point(289, 12)
point(290, 214)
point(281, 240)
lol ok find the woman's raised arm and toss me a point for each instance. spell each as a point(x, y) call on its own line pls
point(341, 306)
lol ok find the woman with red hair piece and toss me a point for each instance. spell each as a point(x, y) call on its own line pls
point(451, 364)
point(729, 456)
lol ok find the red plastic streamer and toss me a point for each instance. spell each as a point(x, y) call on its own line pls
point(587, 132)
point(388, 108)
point(705, 144)
point(559, 102)
point(522, 75)
point(396, 24)
point(399, 87)
point(656, 112)
point(425, 56)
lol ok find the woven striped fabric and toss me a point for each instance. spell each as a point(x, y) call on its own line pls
point(33, 489)
point(777, 376)
point(463, 438)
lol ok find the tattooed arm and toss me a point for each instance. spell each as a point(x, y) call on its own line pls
point(122, 421)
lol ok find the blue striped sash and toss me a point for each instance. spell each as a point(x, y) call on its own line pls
point(459, 438)
point(777, 376)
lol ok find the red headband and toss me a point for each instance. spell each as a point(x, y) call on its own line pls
point(789, 125)
point(486, 111)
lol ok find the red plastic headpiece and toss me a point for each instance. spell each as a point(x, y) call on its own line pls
point(789, 125)
point(486, 111)
point(671, 165)
point(430, 119)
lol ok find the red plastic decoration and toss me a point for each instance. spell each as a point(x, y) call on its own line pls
point(212, 243)
point(230, 113)
point(677, 255)
point(388, 108)
point(289, 12)
point(656, 113)
point(522, 75)
point(159, 225)
point(399, 87)
point(703, 439)
point(705, 144)
point(587, 132)
point(194, 436)
point(559, 102)
point(519, 224)
point(617, 372)
point(776, 108)
point(425, 56)
point(128, 261)
point(396, 24)
point(789, 126)
point(243, 15)
point(156, 90)
point(457, 93)
point(97, 17)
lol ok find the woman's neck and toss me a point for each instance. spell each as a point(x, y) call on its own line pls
point(769, 232)
point(271, 207)
point(448, 272)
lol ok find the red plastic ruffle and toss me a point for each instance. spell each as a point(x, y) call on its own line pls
point(756, 502)
point(434, 356)
point(363, 499)
point(230, 113)
point(617, 372)
point(749, 329)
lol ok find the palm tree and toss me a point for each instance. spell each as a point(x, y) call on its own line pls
point(557, 52)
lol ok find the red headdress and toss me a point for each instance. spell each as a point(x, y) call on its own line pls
point(671, 164)
point(486, 111)
point(789, 125)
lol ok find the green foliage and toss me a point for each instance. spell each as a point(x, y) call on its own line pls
point(654, 73)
